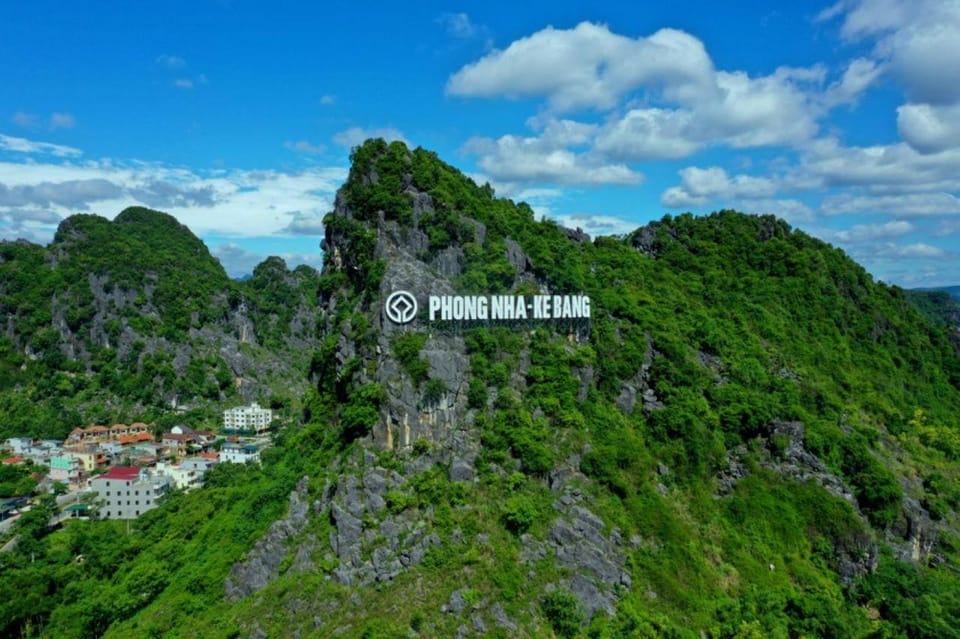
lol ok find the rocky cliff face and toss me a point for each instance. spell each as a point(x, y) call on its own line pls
point(405, 415)
point(137, 315)
point(380, 527)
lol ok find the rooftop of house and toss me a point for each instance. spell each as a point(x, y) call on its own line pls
point(178, 438)
point(127, 473)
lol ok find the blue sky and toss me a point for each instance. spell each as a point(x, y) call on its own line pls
point(237, 117)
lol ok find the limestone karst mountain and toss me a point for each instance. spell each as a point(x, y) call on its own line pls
point(135, 318)
point(749, 438)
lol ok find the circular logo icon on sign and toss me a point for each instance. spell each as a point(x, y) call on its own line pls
point(401, 307)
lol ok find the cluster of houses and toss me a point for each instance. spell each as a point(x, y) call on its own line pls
point(129, 469)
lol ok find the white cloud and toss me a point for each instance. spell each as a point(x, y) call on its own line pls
point(26, 120)
point(517, 159)
point(355, 136)
point(22, 145)
point(303, 146)
point(62, 121)
point(903, 204)
point(224, 203)
point(183, 83)
point(459, 25)
point(892, 168)
point(678, 103)
point(916, 38)
point(870, 232)
point(172, 62)
point(859, 75)
point(587, 67)
point(928, 128)
point(596, 224)
point(536, 194)
point(701, 186)
point(328, 99)
point(71, 194)
point(919, 250)
point(648, 134)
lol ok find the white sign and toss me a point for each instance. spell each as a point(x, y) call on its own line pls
point(507, 307)
point(401, 308)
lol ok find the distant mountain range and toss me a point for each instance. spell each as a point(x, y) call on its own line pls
point(953, 291)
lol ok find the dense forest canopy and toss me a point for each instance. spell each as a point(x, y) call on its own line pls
point(756, 440)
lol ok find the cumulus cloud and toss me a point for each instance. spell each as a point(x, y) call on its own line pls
point(915, 41)
point(929, 128)
point(328, 99)
point(519, 159)
point(355, 136)
point(587, 67)
point(22, 145)
point(700, 186)
point(648, 134)
point(891, 168)
point(303, 146)
point(660, 96)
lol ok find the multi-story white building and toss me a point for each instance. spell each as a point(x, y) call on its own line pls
point(247, 418)
point(234, 453)
point(126, 492)
point(189, 473)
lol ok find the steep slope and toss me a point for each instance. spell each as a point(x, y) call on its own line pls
point(750, 438)
point(939, 306)
point(134, 318)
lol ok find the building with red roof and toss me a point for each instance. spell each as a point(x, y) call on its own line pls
point(126, 492)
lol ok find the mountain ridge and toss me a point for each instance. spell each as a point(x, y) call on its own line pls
point(754, 439)
point(136, 314)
